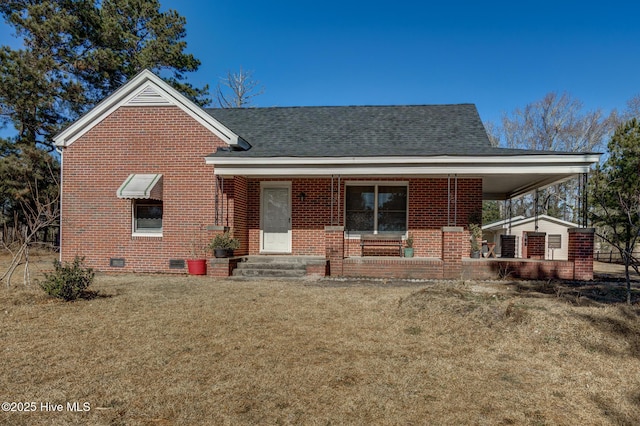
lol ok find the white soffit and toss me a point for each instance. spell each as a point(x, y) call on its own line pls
point(503, 176)
point(478, 166)
point(145, 89)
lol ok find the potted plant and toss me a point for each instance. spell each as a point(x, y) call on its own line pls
point(408, 250)
point(223, 245)
point(476, 239)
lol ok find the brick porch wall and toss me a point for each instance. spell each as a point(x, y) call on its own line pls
point(489, 269)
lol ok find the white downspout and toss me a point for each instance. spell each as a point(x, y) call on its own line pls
point(60, 151)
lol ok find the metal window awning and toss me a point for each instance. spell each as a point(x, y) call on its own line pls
point(141, 186)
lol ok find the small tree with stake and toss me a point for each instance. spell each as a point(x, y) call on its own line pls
point(615, 195)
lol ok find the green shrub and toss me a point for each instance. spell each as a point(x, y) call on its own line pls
point(68, 281)
point(224, 241)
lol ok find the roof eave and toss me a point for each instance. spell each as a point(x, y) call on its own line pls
point(586, 159)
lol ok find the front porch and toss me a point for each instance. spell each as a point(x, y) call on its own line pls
point(391, 268)
point(452, 265)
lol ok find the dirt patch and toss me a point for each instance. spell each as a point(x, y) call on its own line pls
point(603, 271)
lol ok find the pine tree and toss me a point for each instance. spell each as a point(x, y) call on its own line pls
point(615, 195)
point(76, 52)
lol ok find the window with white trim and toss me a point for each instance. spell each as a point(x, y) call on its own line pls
point(555, 241)
point(147, 216)
point(376, 208)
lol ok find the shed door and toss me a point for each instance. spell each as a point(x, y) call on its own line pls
point(276, 219)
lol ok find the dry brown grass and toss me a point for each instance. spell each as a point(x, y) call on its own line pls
point(189, 350)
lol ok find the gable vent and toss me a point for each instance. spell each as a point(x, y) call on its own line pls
point(149, 96)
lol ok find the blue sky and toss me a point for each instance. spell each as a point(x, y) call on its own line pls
point(497, 55)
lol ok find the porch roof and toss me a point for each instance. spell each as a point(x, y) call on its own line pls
point(386, 141)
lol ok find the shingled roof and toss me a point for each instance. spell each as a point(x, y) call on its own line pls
point(359, 131)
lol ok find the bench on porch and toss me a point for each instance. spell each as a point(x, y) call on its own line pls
point(381, 240)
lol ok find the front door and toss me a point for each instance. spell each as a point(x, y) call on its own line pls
point(276, 218)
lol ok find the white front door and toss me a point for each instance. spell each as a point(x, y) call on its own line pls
point(276, 218)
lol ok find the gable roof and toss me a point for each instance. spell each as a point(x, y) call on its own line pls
point(362, 131)
point(357, 130)
point(145, 89)
point(522, 220)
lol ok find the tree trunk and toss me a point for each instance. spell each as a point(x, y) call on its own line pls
point(627, 262)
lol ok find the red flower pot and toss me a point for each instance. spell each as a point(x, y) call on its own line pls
point(197, 266)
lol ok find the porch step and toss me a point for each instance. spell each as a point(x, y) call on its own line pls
point(275, 266)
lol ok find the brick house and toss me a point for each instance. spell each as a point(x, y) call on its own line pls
point(148, 178)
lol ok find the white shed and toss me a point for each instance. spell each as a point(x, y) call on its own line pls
point(556, 230)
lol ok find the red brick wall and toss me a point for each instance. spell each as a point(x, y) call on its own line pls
point(393, 268)
point(96, 224)
point(334, 249)
point(428, 200)
point(513, 268)
point(536, 246)
point(238, 206)
point(581, 252)
point(455, 246)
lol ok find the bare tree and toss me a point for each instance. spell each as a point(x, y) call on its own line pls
point(41, 209)
point(238, 89)
point(554, 123)
point(633, 109)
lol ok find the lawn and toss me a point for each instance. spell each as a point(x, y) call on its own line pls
point(157, 349)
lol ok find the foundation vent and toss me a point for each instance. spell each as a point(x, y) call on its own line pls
point(176, 263)
point(116, 262)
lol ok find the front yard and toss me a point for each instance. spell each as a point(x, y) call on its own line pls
point(153, 349)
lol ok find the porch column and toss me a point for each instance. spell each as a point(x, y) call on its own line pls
point(581, 252)
point(454, 246)
point(334, 249)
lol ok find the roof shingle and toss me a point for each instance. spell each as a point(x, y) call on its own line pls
point(424, 130)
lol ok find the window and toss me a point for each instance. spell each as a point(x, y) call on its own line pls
point(380, 208)
point(147, 217)
point(555, 241)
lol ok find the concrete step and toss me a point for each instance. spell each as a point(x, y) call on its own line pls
point(269, 273)
point(276, 266)
point(283, 259)
point(271, 265)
